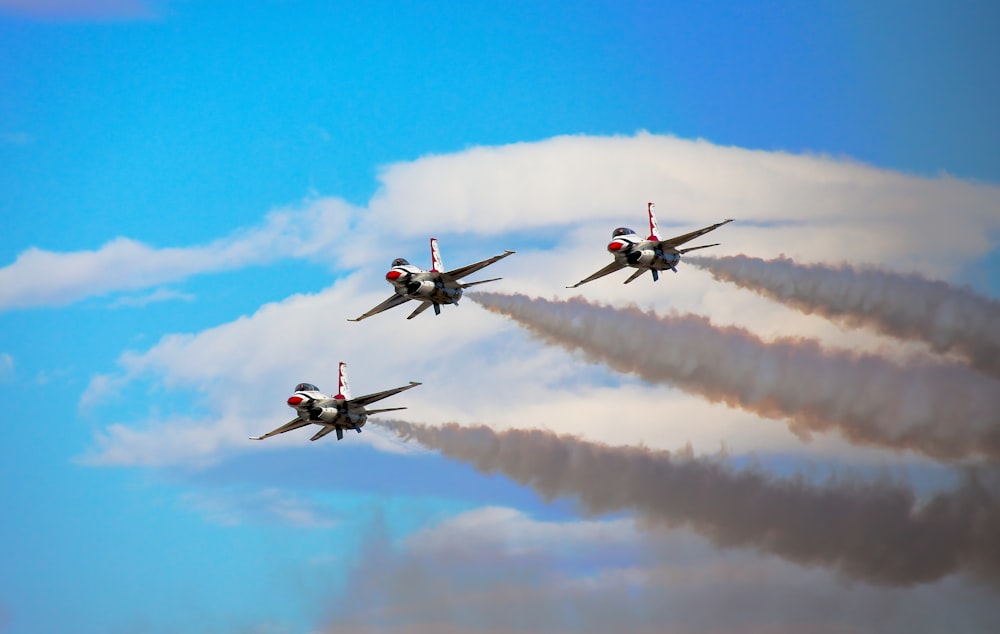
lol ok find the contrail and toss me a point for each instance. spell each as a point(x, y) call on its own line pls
point(945, 411)
point(878, 532)
point(948, 318)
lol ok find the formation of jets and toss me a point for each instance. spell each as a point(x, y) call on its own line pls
point(439, 286)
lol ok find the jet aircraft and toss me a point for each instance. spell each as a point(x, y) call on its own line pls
point(652, 254)
point(430, 288)
point(333, 413)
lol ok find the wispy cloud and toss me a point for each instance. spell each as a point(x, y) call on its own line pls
point(230, 507)
point(159, 295)
point(46, 278)
point(6, 367)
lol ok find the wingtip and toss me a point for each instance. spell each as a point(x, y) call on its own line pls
point(415, 383)
point(256, 438)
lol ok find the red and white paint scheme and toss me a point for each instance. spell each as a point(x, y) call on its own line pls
point(431, 288)
point(652, 254)
point(333, 413)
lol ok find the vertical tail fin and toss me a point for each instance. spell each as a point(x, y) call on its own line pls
point(343, 389)
point(654, 231)
point(436, 266)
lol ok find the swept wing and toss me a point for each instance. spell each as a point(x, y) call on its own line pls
point(378, 396)
point(462, 271)
point(392, 302)
point(679, 240)
point(611, 268)
point(289, 426)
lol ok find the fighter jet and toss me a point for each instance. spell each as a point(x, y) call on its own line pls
point(332, 413)
point(652, 254)
point(430, 288)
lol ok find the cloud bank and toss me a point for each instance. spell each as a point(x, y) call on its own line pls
point(812, 207)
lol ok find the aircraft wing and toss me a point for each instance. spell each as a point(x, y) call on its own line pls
point(392, 302)
point(462, 271)
point(679, 240)
point(289, 426)
point(611, 268)
point(378, 396)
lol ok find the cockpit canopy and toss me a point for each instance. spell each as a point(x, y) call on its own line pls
point(306, 387)
point(622, 231)
point(400, 262)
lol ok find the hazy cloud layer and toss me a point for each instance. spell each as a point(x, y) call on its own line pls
point(946, 317)
point(878, 531)
point(490, 581)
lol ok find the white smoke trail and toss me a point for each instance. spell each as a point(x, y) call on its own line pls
point(948, 318)
point(945, 411)
point(875, 531)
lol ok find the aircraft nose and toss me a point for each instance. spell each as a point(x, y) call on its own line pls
point(615, 245)
point(295, 400)
point(393, 275)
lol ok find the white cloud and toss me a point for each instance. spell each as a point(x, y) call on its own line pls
point(266, 506)
point(562, 197)
point(159, 295)
point(516, 533)
point(45, 278)
point(572, 190)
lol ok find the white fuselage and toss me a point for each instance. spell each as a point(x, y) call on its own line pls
point(427, 286)
point(631, 250)
point(329, 411)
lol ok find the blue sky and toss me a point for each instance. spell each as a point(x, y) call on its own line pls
point(273, 159)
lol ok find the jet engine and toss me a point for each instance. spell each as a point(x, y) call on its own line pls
point(324, 414)
point(426, 288)
point(644, 257)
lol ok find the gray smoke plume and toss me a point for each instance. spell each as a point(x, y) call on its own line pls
point(948, 318)
point(944, 411)
point(878, 532)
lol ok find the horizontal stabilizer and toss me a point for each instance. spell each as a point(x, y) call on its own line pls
point(701, 247)
point(635, 275)
point(480, 282)
point(326, 430)
point(421, 308)
point(385, 409)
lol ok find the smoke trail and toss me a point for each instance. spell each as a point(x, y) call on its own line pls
point(878, 532)
point(948, 318)
point(947, 412)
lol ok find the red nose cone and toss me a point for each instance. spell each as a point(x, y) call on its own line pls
point(393, 275)
point(614, 246)
point(293, 401)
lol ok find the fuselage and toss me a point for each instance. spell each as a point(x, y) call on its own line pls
point(321, 409)
point(631, 250)
point(429, 286)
